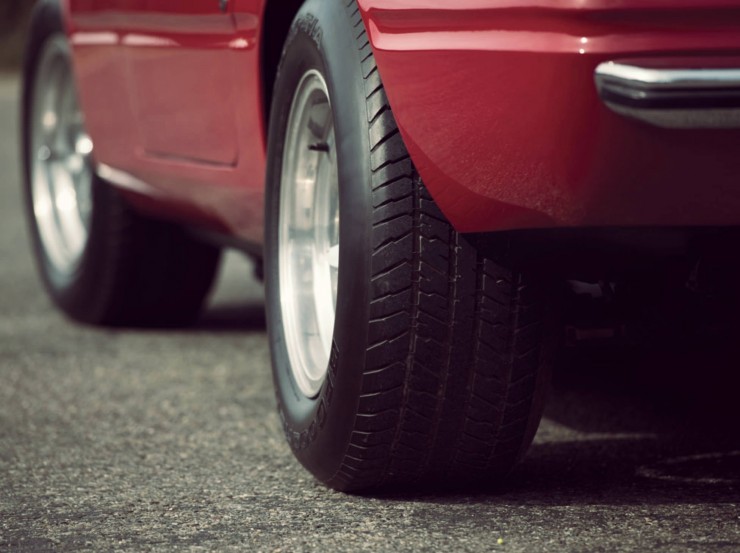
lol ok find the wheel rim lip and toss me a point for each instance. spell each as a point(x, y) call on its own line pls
point(60, 152)
point(308, 245)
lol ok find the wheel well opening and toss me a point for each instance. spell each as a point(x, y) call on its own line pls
point(277, 18)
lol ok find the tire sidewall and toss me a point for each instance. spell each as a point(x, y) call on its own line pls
point(319, 429)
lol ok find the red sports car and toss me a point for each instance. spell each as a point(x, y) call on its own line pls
point(416, 176)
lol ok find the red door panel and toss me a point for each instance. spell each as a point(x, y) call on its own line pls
point(183, 81)
point(172, 95)
point(102, 74)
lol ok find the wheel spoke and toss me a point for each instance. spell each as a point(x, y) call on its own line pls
point(333, 257)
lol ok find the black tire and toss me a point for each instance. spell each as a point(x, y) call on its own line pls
point(132, 271)
point(438, 365)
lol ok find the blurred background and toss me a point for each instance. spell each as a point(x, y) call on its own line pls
point(14, 17)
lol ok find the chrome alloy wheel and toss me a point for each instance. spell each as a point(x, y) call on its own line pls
point(308, 239)
point(60, 161)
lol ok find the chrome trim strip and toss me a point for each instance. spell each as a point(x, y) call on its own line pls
point(668, 78)
point(706, 98)
point(126, 181)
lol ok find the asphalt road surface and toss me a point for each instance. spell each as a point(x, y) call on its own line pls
point(144, 440)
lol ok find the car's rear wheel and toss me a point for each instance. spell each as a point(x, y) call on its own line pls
point(100, 261)
point(400, 353)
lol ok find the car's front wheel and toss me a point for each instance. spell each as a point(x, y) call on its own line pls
point(400, 353)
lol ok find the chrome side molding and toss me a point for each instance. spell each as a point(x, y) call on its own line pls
point(125, 181)
point(671, 97)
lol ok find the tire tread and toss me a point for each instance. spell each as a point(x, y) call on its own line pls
point(455, 354)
